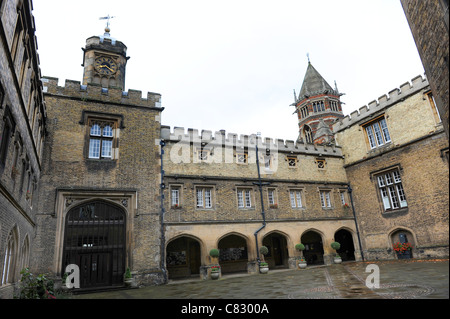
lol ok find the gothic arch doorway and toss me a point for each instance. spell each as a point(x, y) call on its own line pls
point(278, 253)
point(95, 240)
point(183, 257)
point(347, 250)
point(233, 254)
point(313, 252)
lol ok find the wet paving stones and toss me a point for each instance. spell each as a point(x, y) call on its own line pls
point(415, 279)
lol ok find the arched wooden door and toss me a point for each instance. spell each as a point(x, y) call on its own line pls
point(94, 239)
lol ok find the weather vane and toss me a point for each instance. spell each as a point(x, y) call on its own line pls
point(107, 22)
point(307, 54)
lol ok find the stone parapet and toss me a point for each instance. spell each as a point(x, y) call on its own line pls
point(396, 95)
point(94, 92)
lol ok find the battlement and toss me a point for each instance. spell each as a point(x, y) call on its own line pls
point(94, 92)
point(220, 138)
point(396, 95)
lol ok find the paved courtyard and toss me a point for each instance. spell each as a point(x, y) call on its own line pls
point(412, 279)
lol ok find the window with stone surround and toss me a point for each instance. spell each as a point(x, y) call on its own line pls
point(391, 190)
point(204, 197)
point(175, 196)
point(296, 198)
point(102, 139)
point(244, 198)
point(377, 132)
point(325, 198)
point(272, 198)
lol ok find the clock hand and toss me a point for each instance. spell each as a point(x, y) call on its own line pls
point(108, 68)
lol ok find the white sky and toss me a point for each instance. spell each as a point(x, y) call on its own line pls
point(234, 65)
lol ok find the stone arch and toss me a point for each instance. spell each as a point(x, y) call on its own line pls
point(402, 235)
point(346, 238)
point(233, 248)
point(25, 252)
point(95, 239)
point(277, 242)
point(308, 134)
point(184, 256)
point(313, 240)
point(10, 260)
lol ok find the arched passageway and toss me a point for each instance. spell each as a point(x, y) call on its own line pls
point(278, 255)
point(347, 250)
point(233, 254)
point(183, 258)
point(94, 239)
point(313, 252)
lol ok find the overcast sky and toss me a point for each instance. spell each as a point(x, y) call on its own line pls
point(233, 65)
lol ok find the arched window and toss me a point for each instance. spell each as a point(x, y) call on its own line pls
point(308, 134)
point(25, 254)
point(9, 260)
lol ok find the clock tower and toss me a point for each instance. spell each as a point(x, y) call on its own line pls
point(104, 61)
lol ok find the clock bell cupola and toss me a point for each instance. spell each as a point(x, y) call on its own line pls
point(104, 61)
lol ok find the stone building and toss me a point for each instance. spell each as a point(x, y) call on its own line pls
point(22, 130)
point(429, 25)
point(213, 200)
point(101, 174)
point(396, 160)
point(89, 176)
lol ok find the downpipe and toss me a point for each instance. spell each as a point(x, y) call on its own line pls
point(162, 262)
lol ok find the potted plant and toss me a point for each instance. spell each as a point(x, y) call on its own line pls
point(403, 250)
point(215, 272)
point(335, 245)
point(128, 278)
point(301, 261)
point(263, 265)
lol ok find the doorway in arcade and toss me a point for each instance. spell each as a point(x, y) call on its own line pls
point(313, 252)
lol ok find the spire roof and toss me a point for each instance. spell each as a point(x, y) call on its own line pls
point(314, 84)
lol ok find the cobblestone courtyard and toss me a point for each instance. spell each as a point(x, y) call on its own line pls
point(413, 279)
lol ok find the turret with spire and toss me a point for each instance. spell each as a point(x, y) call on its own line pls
point(318, 106)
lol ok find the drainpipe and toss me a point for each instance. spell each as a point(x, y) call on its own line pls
point(349, 189)
point(262, 201)
point(161, 216)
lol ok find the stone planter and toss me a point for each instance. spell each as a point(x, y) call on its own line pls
point(264, 269)
point(302, 264)
point(215, 275)
point(337, 260)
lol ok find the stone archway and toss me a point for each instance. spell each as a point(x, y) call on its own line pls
point(183, 257)
point(347, 250)
point(313, 252)
point(95, 240)
point(233, 253)
point(278, 255)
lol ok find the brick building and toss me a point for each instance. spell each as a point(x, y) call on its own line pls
point(22, 131)
point(123, 191)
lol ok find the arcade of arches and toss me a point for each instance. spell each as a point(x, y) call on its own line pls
point(188, 255)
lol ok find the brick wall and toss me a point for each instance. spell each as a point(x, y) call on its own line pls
point(426, 20)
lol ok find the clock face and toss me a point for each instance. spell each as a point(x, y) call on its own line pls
point(105, 65)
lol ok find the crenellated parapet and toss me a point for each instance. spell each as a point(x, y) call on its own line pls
point(94, 92)
point(223, 139)
point(396, 95)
